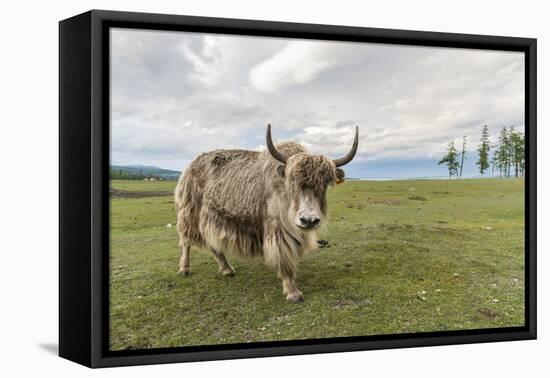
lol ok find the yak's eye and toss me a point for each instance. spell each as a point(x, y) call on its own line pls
point(281, 170)
point(340, 176)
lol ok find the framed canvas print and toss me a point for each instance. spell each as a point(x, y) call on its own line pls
point(235, 188)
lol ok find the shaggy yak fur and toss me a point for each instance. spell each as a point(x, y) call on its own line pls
point(246, 202)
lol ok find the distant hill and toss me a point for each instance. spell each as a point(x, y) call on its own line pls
point(138, 171)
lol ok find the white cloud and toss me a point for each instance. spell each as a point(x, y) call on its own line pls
point(208, 66)
point(330, 141)
point(296, 63)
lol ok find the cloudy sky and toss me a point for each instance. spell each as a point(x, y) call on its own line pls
point(177, 94)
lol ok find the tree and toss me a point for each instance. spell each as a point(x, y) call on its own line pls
point(517, 148)
point(522, 162)
point(450, 160)
point(483, 149)
point(509, 147)
point(462, 155)
point(494, 159)
point(501, 157)
point(509, 153)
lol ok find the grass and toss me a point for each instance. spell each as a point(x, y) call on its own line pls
point(404, 256)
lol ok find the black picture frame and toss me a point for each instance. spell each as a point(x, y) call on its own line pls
point(84, 187)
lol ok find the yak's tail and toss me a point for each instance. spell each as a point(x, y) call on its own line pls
point(188, 203)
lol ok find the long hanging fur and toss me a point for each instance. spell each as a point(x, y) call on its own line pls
point(238, 201)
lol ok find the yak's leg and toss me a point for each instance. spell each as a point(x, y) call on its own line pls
point(287, 274)
point(184, 261)
point(225, 267)
point(283, 256)
point(292, 293)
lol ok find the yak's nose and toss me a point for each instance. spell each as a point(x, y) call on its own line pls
point(309, 222)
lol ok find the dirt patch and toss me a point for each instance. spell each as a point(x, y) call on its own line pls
point(117, 193)
point(389, 202)
point(350, 302)
point(395, 226)
point(442, 229)
point(417, 198)
point(487, 312)
point(358, 206)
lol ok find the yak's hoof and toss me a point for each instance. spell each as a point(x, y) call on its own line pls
point(295, 297)
point(184, 273)
point(230, 272)
point(322, 243)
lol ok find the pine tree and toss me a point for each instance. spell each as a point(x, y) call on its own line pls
point(522, 162)
point(463, 154)
point(483, 149)
point(518, 151)
point(494, 159)
point(450, 160)
point(502, 154)
point(509, 146)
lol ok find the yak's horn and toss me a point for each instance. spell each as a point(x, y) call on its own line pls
point(272, 149)
point(349, 157)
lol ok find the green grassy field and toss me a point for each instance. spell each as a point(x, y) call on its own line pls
point(404, 256)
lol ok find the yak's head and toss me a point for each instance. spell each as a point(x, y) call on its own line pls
point(307, 178)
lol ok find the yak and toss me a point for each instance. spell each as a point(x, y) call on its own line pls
point(250, 203)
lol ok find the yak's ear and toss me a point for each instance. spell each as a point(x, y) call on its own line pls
point(340, 176)
point(281, 170)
